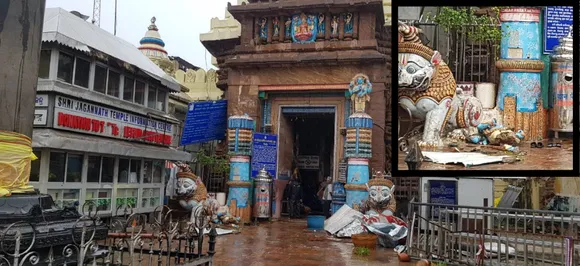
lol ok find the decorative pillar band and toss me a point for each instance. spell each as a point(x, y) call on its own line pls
point(240, 131)
point(358, 136)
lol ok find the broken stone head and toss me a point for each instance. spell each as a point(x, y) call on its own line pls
point(190, 190)
point(381, 199)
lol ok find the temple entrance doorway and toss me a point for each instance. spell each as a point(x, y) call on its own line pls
point(307, 147)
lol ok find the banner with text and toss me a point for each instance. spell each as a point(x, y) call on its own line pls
point(264, 153)
point(557, 22)
point(88, 118)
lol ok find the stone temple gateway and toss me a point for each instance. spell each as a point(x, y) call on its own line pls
point(290, 70)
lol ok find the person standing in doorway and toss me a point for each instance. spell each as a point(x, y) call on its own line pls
point(295, 196)
point(325, 195)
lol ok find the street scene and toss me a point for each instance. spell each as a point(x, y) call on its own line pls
point(485, 88)
point(260, 132)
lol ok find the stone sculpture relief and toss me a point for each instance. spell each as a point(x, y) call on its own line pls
point(359, 89)
point(304, 28)
point(427, 89)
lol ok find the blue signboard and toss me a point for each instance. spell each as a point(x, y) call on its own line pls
point(264, 153)
point(557, 22)
point(442, 192)
point(205, 121)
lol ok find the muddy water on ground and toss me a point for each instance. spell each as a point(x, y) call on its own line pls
point(287, 242)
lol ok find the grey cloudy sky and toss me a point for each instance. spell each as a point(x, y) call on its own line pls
point(179, 21)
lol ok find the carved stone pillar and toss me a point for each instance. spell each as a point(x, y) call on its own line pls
point(257, 31)
point(355, 26)
point(341, 26)
point(327, 25)
point(270, 34)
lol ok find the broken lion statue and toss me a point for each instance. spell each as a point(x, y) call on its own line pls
point(192, 195)
point(428, 91)
point(378, 215)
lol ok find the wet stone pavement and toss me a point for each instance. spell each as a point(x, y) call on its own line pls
point(288, 242)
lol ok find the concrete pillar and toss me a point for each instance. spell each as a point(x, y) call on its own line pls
point(20, 41)
point(358, 151)
point(240, 130)
point(519, 95)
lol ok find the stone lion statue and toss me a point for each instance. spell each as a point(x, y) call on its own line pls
point(190, 190)
point(427, 89)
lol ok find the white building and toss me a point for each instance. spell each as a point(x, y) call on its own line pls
point(102, 130)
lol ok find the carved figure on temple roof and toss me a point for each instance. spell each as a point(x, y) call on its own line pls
point(334, 25)
point(263, 28)
point(288, 25)
point(304, 28)
point(321, 23)
point(359, 88)
point(276, 23)
point(348, 23)
point(427, 89)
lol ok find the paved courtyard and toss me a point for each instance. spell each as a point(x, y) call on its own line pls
point(287, 242)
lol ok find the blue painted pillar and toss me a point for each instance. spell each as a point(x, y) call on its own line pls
point(240, 130)
point(358, 151)
point(519, 95)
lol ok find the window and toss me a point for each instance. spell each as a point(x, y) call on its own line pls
point(100, 79)
point(158, 171)
point(147, 172)
point(161, 100)
point(101, 198)
point(140, 92)
point(152, 97)
point(56, 167)
point(101, 169)
point(128, 89)
point(94, 172)
point(35, 167)
point(150, 198)
point(153, 171)
point(113, 84)
point(44, 66)
point(127, 196)
point(64, 197)
point(107, 170)
point(74, 167)
point(129, 171)
point(82, 72)
point(65, 165)
point(65, 67)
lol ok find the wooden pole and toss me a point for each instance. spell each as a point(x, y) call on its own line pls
point(21, 24)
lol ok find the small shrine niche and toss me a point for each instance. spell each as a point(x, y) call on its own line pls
point(306, 28)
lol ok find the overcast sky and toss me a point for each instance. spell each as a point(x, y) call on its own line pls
point(179, 21)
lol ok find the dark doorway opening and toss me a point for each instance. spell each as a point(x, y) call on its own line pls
point(313, 149)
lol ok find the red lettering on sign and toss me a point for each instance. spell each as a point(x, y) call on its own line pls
point(146, 135)
point(74, 122)
point(98, 126)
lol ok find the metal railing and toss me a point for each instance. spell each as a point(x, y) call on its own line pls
point(466, 235)
point(130, 240)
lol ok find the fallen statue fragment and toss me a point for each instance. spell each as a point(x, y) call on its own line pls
point(377, 219)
